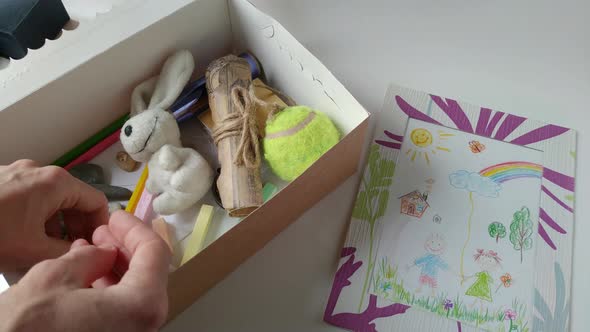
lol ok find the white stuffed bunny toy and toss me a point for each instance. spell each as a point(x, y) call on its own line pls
point(179, 176)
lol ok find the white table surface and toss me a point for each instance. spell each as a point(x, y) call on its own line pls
point(526, 57)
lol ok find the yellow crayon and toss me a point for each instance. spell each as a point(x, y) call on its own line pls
point(132, 204)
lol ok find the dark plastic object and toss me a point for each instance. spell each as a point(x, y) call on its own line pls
point(26, 24)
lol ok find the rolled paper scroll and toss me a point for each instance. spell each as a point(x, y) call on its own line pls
point(233, 107)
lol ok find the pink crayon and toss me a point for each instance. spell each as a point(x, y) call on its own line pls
point(144, 209)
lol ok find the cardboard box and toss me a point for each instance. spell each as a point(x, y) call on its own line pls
point(62, 93)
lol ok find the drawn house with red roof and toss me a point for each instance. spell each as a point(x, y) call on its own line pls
point(414, 204)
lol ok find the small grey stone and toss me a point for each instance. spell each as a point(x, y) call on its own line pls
point(113, 193)
point(115, 206)
point(88, 173)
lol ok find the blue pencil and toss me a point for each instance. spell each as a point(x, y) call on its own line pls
point(193, 92)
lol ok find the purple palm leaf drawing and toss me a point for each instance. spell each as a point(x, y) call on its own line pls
point(562, 180)
point(508, 126)
point(487, 122)
point(539, 134)
point(412, 112)
point(543, 233)
point(483, 121)
point(557, 200)
point(550, 222)
point(357, 322)
point(492, 124)
point(393, 145)
point(455, 113)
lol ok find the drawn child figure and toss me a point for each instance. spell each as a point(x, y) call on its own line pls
point(481, 289)
point(431, 262)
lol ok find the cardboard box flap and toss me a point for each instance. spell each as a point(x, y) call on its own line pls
point(99, 29)
point(86, 85)
point(288, 66)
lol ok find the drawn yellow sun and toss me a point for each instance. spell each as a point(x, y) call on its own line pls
point(421, 137)
point(423, 141)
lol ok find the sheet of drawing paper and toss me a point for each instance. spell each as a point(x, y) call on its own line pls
point(464, 221)
point(463, 213)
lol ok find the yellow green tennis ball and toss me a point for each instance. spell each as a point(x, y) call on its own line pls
point(296, 138)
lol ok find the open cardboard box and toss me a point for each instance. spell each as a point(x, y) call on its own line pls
point(61, 94)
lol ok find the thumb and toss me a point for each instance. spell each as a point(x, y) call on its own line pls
point(85, 264)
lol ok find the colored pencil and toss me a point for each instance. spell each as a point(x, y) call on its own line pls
point(113, 138)
point(69, 156)
point(195, 90)
point(132, 204)
point(95, 150)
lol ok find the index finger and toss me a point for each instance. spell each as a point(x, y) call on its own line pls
point(150, 256)
point(62, 191)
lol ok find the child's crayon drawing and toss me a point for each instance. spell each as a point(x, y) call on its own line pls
point(437, 219)
point(497, 230)
point(481, 289)
point(431, 262)
point(458, 269)
point(476, 146)
point(425, 144)
point(414, 204)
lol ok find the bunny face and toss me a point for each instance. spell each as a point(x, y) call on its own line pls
point(147, 132)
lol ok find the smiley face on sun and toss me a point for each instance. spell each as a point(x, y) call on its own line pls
point(421, 137)
point(426, 144)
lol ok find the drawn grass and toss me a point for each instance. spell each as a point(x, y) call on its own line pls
point(387, 285)
point(371, 202)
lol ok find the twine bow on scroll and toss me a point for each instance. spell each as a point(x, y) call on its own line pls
point(242, 123)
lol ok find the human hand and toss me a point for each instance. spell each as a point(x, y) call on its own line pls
point(54, 294)
point(31, 198)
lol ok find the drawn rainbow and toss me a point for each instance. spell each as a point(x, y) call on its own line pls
point(512, 170)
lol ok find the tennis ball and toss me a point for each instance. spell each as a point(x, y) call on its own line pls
point(296, 138)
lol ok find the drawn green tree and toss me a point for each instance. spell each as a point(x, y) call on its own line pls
point(521, 230)
point(497, 230)
point(371, 202)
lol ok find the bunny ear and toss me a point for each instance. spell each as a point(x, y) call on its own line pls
point(141, 95)
point(175, 74)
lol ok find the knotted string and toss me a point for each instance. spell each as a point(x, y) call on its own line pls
point(274, 108)
point(241, 123)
